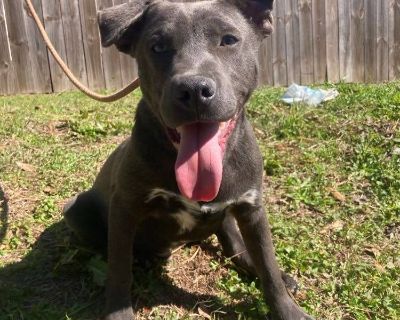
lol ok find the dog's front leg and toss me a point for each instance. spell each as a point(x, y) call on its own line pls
point(121, 231)
point(254, 227)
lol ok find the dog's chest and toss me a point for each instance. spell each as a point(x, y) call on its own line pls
point(182, 219)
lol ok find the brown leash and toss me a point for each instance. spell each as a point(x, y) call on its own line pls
point(110, 98)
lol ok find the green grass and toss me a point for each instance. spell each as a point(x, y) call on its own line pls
point(332, 194)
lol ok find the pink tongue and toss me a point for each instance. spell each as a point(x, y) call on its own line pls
point(198, 168)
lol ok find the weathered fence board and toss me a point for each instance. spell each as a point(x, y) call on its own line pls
point(73, 38)
point(344, 9)
point(19, 47)
point(319, 40)
point(370, 41)
point(266, 76)
point(332, 40)
point(279, 46)
point(37, 52)
point(357, 27)
point(6, 71)
point(111, 60)
point(128, 66)
point(292, 41)
point(54, 27)
point(306, 42)
point(314, 41)
point(91, 43)
point(383, 41)
point(394, 42)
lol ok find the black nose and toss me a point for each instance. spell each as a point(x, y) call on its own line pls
point(193, 91)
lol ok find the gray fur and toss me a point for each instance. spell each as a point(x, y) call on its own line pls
point(135, 204)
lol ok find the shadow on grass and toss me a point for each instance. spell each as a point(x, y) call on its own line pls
point(3, 214)
point(54, 281)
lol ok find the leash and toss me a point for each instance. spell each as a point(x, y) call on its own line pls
point(102, 98)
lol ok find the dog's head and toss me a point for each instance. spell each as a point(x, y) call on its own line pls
point(198, 64)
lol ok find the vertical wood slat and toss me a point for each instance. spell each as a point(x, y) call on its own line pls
point(91, 44)
point(306, 42)
point(73, 38)
point(19, 45)
point(37, 52)
point(279, 45)
point(394, 40)
point(383, 40)
point(110, 57)
point(6, 71)
point(292, 41)
point(344, 40)
point(370, 41)
point(54, 28)
point(266, 69)
point(129, 69)
point(357, 47)
point(319, 40)
point(332, 40)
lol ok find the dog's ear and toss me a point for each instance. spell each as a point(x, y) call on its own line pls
point(259, 13)
point(120, 25)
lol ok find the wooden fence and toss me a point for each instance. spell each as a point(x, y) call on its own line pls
point(314, 41)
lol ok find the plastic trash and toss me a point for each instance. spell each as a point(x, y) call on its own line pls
point(313, 97)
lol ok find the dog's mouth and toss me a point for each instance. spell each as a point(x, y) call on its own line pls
point(201, 147)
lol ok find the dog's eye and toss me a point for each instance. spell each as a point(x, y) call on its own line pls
point(228, 40)
point(159, 47)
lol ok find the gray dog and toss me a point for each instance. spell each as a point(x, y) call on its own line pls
point(191, 167)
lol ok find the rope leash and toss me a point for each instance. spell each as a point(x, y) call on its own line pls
point(108, 98)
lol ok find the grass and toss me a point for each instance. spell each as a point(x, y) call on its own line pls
point(332, 194)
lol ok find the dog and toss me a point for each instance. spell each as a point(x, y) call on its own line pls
point(191, 166)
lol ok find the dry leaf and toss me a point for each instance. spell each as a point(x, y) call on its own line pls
point(333, 226)
point(338, 195)
point(372, 251)
point(26, 167)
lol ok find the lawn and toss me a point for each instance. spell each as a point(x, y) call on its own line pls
point(332, 194)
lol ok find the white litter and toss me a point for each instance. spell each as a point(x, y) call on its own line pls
point(313, 97)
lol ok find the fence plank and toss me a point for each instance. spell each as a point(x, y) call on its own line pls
point(129, 69)
point(306, 42)
point(6, 70)
point(38, 57)
point(19, 44)
point(91, 43)
point(266, 68)
point(54, 28)
point(292, 41)
point(110, 56)
point(344, 40)
point(279, 45)
point(73, 38)
point(370, 41)
point(394, 42)
point(357, 49)
point(383, 40)
point(319, 40)
point(332, 40)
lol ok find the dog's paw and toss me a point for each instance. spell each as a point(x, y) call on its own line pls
point(288, 310)
point(123, 314)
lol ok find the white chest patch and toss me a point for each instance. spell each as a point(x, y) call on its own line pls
point(187, 215)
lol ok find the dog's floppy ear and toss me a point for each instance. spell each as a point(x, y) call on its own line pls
point(120, 24)
point(259, 12)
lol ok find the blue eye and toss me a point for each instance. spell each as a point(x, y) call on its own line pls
point(228, 40)
point(159, 47)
